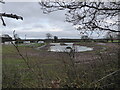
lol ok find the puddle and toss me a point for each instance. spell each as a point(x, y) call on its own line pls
point(67, 47)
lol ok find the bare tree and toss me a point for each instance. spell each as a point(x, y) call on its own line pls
point(14, 16)
point(111, 36)
point(88, 16)
point(49, 36)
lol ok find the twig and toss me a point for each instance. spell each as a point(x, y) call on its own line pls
point(107, 85)
point(22, 57)
point(105, 77)
point(9, 16)
point(1, 1)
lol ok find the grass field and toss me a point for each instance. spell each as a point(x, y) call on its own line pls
point(113, 41)
point(40, 67)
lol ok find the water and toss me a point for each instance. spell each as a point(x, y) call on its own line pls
point(56, 47)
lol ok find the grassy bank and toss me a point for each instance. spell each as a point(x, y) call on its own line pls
point(42, 69)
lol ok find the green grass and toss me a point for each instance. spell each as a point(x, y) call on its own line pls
point(12, 60)
point(31, 45)
point(113, 41)
point(50, 67)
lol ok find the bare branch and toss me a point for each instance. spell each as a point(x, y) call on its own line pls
point(87, 13)
point(1, 1)
point(106, 76)
point(9, 16)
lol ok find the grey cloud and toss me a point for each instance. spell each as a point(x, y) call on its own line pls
point(34, 20)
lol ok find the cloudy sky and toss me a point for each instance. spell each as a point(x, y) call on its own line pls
point(35, 23)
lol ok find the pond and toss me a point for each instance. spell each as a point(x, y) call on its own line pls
point(67, 47)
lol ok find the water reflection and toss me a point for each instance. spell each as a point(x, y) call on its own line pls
point(66, 47)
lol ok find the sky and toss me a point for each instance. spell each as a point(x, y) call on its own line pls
point(35, 24)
